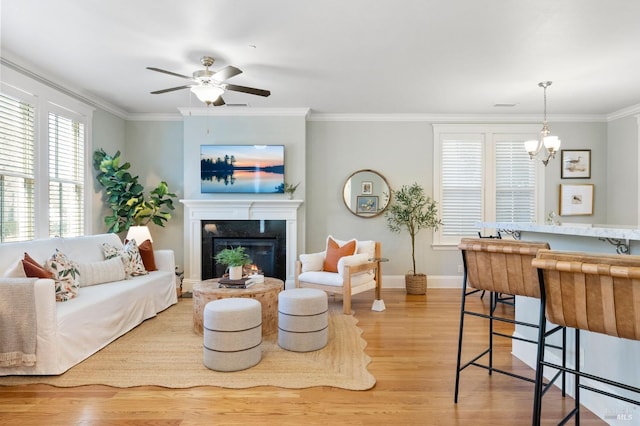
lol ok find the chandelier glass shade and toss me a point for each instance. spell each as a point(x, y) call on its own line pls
point(207, 93)
point(550, 143)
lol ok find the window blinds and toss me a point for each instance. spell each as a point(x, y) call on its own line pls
point(17, 178)
point(66, 176)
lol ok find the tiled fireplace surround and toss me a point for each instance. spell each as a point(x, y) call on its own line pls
point(197, 210)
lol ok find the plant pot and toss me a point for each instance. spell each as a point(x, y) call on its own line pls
point(235, 272)
point(415, 283)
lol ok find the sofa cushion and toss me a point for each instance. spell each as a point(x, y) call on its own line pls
point(130, 255)
point(356, 259)
point(312, 261)
point(335, 252)
point(146, 253)
point(33, 269)
point(333, 279)
point(362, 246)
point(104, 271)
point(65, 274)
point(16, 270)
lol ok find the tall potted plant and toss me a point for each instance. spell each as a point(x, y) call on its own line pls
point(129, 206)
point(412, 210)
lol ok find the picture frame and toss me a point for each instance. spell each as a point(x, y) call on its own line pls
point(367, 188)
point(367, 204)
point(575, 164)
point(576, 200)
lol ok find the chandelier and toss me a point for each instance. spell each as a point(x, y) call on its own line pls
point(550, 143)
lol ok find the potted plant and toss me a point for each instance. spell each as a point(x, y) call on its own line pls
point(129, 206)
point(412, 210)
point(234, 259)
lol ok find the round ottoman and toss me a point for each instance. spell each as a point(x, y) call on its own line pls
point(232, 334)
point(303, 320)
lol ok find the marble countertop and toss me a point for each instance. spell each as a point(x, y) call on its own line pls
point(587, 230)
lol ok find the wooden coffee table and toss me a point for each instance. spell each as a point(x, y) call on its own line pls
point(266, 293)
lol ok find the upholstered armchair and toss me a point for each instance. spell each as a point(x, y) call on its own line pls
point(344, 267)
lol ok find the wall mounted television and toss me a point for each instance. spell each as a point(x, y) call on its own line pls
point(250, 169)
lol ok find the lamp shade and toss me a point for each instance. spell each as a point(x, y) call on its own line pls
point(139, 233)
point(552, 143)
point(207, 93)
point(531, 146)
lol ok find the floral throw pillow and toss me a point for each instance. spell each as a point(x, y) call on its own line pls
point(65, 274)
point(130, 255)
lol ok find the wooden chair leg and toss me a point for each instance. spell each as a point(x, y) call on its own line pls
point(346, 303)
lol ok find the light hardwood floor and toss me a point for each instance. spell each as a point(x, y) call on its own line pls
point(412, 346)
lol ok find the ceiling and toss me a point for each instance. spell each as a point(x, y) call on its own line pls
point(337, 56)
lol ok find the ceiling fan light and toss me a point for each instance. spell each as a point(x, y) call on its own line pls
point(207, 93)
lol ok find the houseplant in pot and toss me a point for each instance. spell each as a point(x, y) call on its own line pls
point(412, 210)
point(125, 195)
point(234, 259)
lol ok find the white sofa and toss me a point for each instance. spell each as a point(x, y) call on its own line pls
point(71, 331)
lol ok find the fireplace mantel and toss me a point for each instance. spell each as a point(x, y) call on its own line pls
point(197, 210)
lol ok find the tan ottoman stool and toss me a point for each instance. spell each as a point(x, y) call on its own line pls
point(303, 321)
point(232, 334)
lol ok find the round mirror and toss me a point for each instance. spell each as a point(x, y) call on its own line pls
point(366, 193)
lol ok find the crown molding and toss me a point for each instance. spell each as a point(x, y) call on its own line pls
point(456, 118)
point(245, 112)
point(20, 66)
point(633, 110)
point(144, 116)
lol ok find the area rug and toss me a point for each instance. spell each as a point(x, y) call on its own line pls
point(164, 351)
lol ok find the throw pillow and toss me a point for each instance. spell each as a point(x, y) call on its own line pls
point(33, 269)
point(130, 255)
point(15, 271)
point(312, 262)
point(65, 274)
point(335, 252)
point(104, 271)
point(148, 259)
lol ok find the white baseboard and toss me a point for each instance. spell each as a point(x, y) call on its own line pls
point(433, 281)
point(388, 281)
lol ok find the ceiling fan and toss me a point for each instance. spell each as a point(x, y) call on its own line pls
point(208, 85)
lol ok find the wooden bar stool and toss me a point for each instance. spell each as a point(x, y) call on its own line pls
point(499, 267)
point(594, 292)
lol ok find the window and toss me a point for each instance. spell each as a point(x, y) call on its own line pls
point(43, 176)
point(66, 176)
point(17, 128)
point(482, 173)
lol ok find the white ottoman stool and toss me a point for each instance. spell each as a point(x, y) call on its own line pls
point(303, 321)
point(232, 334)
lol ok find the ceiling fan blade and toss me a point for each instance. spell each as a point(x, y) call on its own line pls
point(226, 72)
point(219, 101)
point(170, 73)
point(157, 92)
point(249, 90)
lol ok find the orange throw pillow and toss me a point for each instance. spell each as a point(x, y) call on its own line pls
point(335, 252)
point(148, 259)
point(33, 269)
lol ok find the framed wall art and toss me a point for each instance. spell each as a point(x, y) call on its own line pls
point(576, 200)
point(367, 188)
point(367, 204)
point(575, 163)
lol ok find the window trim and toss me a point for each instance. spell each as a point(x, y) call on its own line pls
point(490, 133)
point(46, 99)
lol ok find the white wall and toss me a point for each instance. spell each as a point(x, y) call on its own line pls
point(622, 172)
point(322, 154)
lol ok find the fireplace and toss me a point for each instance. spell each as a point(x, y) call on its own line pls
point(264, 241)
point(199, 212)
